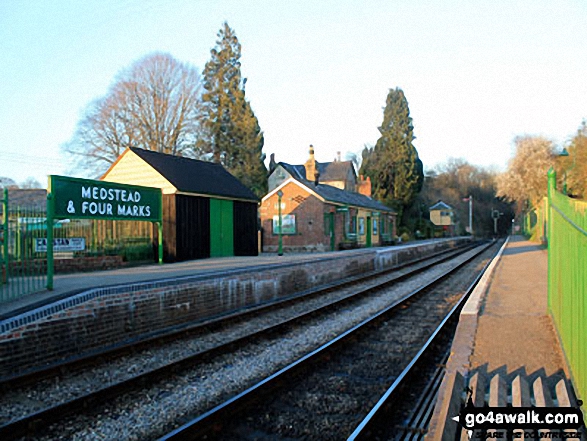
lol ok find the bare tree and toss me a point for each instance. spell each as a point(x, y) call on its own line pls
point(30, 183)
point(6, 182)
point(152, 105)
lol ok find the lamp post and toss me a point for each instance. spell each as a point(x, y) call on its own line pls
point(564, 153)
point(280, 246)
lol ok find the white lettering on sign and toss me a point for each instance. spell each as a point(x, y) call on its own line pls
point(96, 208)
point(112, 194)
point(134, 210)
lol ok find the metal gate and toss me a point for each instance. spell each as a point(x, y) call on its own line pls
point(23, 268)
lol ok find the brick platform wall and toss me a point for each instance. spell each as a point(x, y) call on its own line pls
point(100, 318)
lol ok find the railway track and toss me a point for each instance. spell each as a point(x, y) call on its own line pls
point(323, 394)
point(38, 421)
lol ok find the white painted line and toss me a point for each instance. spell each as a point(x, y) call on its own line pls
point(474, 303)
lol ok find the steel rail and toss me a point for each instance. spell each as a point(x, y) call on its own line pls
point(364, 430)
point(32, 423)
point(202, 425)
point(173, 333)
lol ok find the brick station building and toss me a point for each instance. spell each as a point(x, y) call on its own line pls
point(324, 207)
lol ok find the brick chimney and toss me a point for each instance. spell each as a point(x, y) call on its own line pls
point(364, 186)
point(311, 169)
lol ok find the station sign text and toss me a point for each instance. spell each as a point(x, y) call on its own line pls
point(87, 199)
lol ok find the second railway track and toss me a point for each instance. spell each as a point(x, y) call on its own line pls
point(325, 394)
point(171, 396)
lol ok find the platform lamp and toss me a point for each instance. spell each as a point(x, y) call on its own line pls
point(564, 153)
point(280, 246)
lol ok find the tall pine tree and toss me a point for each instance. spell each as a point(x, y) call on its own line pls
point(393, 165)
point(231, 133)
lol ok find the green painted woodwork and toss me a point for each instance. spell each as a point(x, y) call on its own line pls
point(221, 228)
point(75, 198)
point(332, 237)
point(87, 199)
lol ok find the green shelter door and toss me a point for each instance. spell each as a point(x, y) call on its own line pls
point(368, 232)
point(221, 228)
point(332, 238)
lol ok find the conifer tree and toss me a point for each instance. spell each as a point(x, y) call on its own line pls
point(231, 134)
point(393, 165)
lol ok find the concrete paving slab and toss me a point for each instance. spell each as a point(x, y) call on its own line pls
point(514, 327)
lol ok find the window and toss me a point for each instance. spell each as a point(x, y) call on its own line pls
point(288, 224)
point(362, 226)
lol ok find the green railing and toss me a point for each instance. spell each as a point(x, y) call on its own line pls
point(535, 221)
point(79, 245)
point(567, 278)
point(23, 269)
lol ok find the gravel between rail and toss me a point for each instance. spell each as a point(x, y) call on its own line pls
point(157, 408)
point(329, 399)
point(19, 401)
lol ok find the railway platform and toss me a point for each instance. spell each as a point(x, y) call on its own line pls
point(66, 285)
point(506, 350)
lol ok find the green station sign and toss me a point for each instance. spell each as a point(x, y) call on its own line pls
point(75, 198)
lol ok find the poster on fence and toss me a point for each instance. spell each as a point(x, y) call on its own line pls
point(61, 244)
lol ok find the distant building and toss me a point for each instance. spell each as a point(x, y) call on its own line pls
point(339, 174)
point(207, 212)
point(442, 216)
point(319, 215)
point(26, 198)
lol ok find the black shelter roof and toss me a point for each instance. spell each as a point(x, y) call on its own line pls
point(195, 176)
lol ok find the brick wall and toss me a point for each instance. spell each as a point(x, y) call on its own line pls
point(309, 213)
point(99, 318)
point(73, 265)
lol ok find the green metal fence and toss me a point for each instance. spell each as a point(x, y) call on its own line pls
point(79, 245)
point(132, 241)
point(535, 221)
point(567, 278)
point(23, 269)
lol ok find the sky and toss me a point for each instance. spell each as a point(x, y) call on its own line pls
point(476, 74)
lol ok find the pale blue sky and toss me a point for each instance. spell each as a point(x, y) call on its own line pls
point(475, 73)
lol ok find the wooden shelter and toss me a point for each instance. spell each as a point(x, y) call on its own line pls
point(207, 212)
